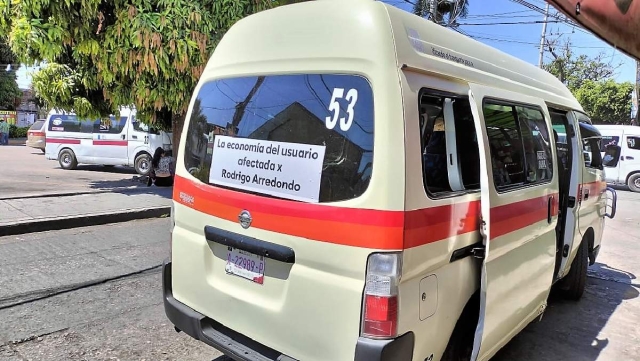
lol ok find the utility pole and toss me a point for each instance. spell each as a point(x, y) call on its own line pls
point(636, 117)
point(544, 34)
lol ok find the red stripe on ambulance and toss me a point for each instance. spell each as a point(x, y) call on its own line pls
point(62, 141)
point(120, 143)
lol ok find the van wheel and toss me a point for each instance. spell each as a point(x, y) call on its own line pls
point(634, 182)
point(573, 284)
point(142, 164)
point(67, 159)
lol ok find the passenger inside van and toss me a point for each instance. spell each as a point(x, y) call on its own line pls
point(435, 159)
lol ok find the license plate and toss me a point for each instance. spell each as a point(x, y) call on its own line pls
point(246, 265)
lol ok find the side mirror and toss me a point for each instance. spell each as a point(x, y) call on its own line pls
point(611, 156)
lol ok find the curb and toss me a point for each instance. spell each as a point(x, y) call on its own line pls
point(122, 190)
point(55, 224)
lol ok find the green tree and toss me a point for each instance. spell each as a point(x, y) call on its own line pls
point(101, 54)
point(590, 79)
point(574, 69)
point(9, 91)
point(605, 100)
point(448, 11)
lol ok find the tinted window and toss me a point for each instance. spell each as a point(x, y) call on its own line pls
point(519, 145)
point(109, 125)
point(319, 113)
point(141, 127)
point(69, 123)
point(37, 125)
point(590, 147)
point(436, 156)
point(609, 140)
point(559, 121)
point(633, 142)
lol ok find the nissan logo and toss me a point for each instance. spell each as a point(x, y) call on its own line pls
point(245, 219)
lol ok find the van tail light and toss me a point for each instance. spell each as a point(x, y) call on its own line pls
point(37, 134)
point(380, 304)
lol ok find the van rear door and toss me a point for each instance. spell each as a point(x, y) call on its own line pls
point(519, 197)
point(272, 232)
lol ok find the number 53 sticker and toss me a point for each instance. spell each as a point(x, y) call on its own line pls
point(334, 106)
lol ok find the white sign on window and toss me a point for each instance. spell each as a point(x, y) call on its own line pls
point(286, 170)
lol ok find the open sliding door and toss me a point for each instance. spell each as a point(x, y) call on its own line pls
point(519, 190)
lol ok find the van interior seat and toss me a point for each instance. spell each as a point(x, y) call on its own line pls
point(435, 163)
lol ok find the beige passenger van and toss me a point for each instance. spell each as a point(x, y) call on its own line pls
point(357, 183)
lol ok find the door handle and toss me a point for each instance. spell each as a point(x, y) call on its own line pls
point(134, 137)
point(628, 157)
point(549, 209)
point(586, 195)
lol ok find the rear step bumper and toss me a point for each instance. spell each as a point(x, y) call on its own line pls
point(242, 348)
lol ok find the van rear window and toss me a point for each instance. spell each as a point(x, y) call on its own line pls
point(301, 137)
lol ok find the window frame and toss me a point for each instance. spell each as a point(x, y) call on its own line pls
point(587, 120)
point(513, 104)
point(452, 193)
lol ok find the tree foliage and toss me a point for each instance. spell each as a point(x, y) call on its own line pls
point(606, 101)
point(102, 54)
point(590, 79)
point(574, 69)
point(9, 91)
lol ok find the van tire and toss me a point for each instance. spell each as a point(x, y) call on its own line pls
point(142, 164)
point(634, 182)
point(67, 159)
point(573, 284)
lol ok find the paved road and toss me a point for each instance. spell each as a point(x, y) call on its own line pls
point(58, 303)
point(604, 324)
point(26, 172)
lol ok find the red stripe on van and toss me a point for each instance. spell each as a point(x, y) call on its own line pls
point(120, 143)
point(347, 226)
point(364, 228)
point(596, 187)
point(62, 141)
point(423, 226)
point(511, 217)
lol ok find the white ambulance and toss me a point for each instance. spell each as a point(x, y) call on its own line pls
point(620, 149)
point(377, 188)
point(112, 141)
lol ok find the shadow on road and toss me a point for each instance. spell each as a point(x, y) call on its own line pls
point(105, 169)
point(131, 186)
point(571, 330)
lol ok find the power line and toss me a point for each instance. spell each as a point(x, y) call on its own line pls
point(512, 23)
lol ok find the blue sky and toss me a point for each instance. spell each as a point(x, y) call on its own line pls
point(520, 40)
point(523, 40)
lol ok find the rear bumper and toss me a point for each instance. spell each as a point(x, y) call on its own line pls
point(35, 143)
point(242, 348)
